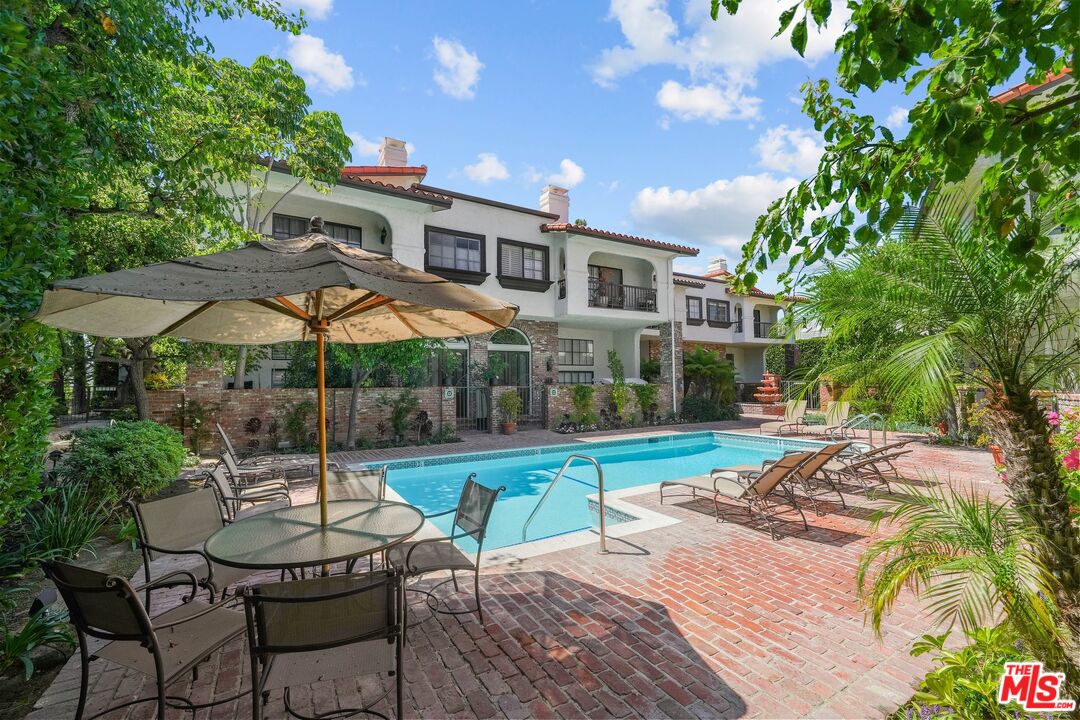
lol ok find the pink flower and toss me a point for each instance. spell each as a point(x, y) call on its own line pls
point(1053, 419)
point(1072, 459)
point(1076, 438)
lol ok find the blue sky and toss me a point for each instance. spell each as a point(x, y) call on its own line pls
point(662, 122)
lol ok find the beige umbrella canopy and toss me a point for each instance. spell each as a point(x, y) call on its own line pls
point(274, 291)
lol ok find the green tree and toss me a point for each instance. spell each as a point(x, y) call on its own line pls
point(351, 366)
point(968, 320)
point(709, 376)
point(80, 88)
point(956, 54)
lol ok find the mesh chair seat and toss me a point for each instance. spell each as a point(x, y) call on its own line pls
point(181, 647)
point(356, 484)
point(429, 557)
point(308, 668)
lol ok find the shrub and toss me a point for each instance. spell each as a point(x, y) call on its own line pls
point(582, 398)
point(197, 418)
point(646, 398)
point(620, 397)
point(615, 365)
point(125, 412)
point(63, 524)
point(401, 407)
point(776, 360)
point(698, 408)
point(650, 370)
point(296, 422)
point(123, 461)
point(45, 628)
point(510, 403)
point(964, 683)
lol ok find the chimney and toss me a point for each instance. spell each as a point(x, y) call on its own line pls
point(717, 266)
point(392, 153)
point(556, 200)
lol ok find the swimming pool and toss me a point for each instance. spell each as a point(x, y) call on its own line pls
point(434, 484)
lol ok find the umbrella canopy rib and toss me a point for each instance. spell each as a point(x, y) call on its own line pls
point(351, 306)
point(405, 322)
point(190, 316)
point(270, 305)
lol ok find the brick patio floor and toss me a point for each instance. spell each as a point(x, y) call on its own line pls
point(697, 619)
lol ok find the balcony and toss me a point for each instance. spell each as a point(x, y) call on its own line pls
point(763, 329)
point(621, 297)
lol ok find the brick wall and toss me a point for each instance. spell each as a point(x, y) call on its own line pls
point(234, 408)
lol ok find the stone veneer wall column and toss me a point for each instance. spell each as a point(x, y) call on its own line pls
point(669, 351)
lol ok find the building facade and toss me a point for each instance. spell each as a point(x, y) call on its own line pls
point(582, 291)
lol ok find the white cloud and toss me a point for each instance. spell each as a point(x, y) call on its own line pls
point(610, 186)
point(719, 57)
point(897, 118)
point(721, 213)
point(318, 66)
point(488, 167)
point(458, 71)
point(531, 175)
point(790, 150)
point(569, 175)
point(315, 9)
point(362, 147)
point(708, 102)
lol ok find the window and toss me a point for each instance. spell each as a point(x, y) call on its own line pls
point(693, 310)
point(459, 255)
point(277, 378)
point(603, 274)
point(575, 352)
point(576, 377)
point(281, 351)
point(718, 311)
point(523, 266)
point(509, 350)
point(290, 226)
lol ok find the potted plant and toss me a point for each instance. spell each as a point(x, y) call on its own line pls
point(510, 404)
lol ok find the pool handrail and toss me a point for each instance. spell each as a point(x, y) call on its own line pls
point(558, 476)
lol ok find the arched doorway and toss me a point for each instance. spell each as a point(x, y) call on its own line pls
point(510, 351)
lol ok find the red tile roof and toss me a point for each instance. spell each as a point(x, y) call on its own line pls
point(687, 281)
point(420, 170)
point(618, 237)
point(411, 192)
point(1024, 88)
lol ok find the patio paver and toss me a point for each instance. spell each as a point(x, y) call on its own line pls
point(697, 619)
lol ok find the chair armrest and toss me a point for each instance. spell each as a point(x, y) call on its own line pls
point(170, 581)
point(439, 514)
point(189, 618)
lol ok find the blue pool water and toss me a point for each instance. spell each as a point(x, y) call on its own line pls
point(434, 484)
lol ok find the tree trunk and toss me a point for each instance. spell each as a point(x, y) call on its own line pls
point(140, 351)
point(358, 377)
point(241, 367)
point(1038, 490)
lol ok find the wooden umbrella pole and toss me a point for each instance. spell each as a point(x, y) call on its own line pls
point(319, 328)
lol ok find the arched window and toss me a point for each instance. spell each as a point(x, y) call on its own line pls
point(510, 352)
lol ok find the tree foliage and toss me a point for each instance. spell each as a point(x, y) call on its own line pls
point(955, 54)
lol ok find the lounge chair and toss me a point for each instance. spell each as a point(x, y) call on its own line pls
point(811, 474)
point(794, 412)
point(419, 557)
point(755, 488)
point(166, 647)
point(304, 632)
point(866, 469)
point(179, 525)
point(836, 416)
point(233, 497)
point(258, 461)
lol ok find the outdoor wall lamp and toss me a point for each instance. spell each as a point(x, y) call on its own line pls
point(382, 236)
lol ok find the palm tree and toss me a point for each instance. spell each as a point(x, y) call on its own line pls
point(710, 375)
point(973, 559)
point(959, 313)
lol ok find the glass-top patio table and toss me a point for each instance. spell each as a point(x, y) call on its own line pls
point(292, 537)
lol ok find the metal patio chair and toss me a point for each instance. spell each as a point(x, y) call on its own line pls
point(165, 647)
point(357, 485)
point(233, 497)
point(420, 557)
point(302, 632)
point(179, 525)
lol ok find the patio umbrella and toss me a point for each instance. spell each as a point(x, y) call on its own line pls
point(273, 291)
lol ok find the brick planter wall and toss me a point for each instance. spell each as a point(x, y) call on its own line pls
point(563, 403)
point(233, 409)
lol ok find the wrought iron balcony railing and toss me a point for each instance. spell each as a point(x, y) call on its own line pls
point(621, 297)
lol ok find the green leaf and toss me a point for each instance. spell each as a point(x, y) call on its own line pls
point(798, 37)
point(785, 19)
